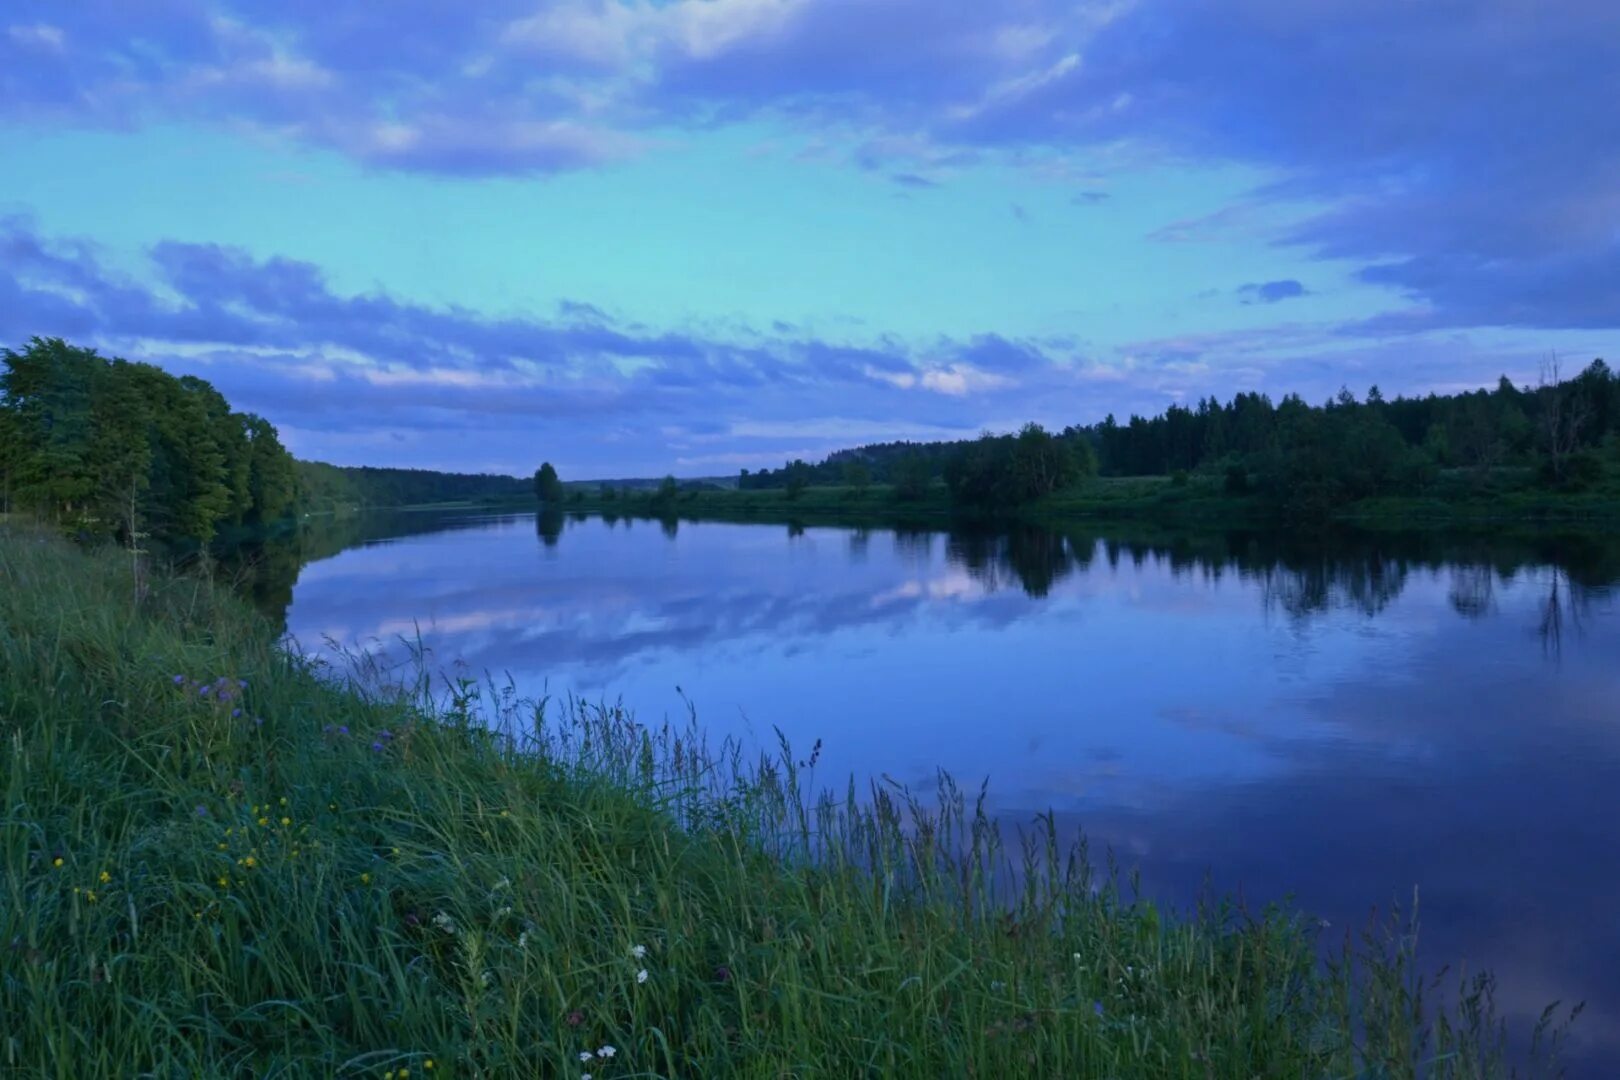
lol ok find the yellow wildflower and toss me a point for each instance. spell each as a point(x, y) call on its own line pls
point(250, 862)
point(365, 879)
point(90, 896)
point(57, 862)
point(224, 882)
point(105, 877)
point(264, 821)
point(286, 821)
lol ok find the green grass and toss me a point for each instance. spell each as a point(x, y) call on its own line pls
point(349, 881)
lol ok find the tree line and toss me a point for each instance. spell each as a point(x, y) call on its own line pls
point(108, 446)
point(105, 446)
point(1306, 458)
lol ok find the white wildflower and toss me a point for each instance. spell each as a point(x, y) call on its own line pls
point(638, 951)
point(445, 923)
point(523, 940)
point(641, 976)
point(585, 1055)
point(606, 1052)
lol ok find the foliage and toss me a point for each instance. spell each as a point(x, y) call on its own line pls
point(1010, 470)
point(116, 448)
point(548, 487)
point(221, 860)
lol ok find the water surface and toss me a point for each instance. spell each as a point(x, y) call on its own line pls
point(1337, 719)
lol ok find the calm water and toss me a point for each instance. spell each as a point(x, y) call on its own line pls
point(1340, 721)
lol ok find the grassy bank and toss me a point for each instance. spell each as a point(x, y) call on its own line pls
point(219, 860)
point(1454, 501)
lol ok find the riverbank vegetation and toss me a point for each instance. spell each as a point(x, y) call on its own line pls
point(1548, 450)
point(223, 860)
point(105, 447)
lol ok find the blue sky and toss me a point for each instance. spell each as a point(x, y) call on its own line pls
point(634, 237)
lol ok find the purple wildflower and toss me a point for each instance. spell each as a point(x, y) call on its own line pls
point(236, 713)
point(178, 679)
point(386, 734)
point(1096, 1007)
point(377, 746)
point(242, 683)
point(203, 690)
point(343, 729)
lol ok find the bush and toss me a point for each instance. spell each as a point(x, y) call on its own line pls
point(1237, 480)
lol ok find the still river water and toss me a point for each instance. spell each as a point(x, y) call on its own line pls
point(1337, 720)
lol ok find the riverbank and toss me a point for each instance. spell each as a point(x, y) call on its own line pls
point(1454, 502)
point(218, 862)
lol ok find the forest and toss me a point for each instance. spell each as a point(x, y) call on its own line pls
point(1561, 434)
point(103, 446)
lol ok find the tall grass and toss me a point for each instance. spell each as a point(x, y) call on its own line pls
point(223, 860)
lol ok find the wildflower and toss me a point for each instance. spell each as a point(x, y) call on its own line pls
point(202, 811)
point(585, 1055)
point(203, 690)
point(506, 813)
point(403, 1073)
point(428, 1064)
point(263, 822)
point(241, 683)
point(250, 862)
point(365, 879)
point(89, 896)
point(284, 800)
point(1096, 1007)
point(178, 679)
point(224, 882)
point(57, 862)
point(575, 1018)
point(1077, 958)
point(332, 806)
point(105, 877)
point(222, 845)
point(641, 976)
point(377, 746)
point(385, 733)
point(229, 831)
point(343, 729)
point(722, 973)
point(445, 923)
point(286, 821)
point(523, 942)
point(606, 1053)
point(584, 1076)
point(638, 951)
point(235, 713)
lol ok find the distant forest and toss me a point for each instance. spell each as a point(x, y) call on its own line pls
point(109, 447)
point(1307, 457)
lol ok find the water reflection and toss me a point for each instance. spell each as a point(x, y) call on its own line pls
point(1339, 716)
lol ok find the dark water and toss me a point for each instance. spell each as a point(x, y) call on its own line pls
point(1337, 719)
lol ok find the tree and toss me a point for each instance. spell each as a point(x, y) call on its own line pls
point(1564, 410)
point(798, 477)
point(857, 476)
point(912, 477)
point(548, 486)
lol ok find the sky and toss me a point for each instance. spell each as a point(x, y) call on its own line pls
point(634, 237)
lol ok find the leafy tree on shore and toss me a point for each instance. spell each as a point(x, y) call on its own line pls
point(548, 487)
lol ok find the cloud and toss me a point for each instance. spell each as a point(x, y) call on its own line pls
point(1271, 292)
point(1459, 153)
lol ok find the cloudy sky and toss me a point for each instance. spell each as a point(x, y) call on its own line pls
point(638, 236)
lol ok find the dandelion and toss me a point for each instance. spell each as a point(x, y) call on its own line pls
point(641, 976)
point(638, 951)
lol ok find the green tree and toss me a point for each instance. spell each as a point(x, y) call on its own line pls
point(548, 487)
point(912, 477)
point(857, 475)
